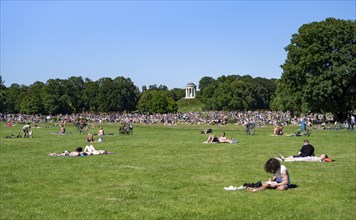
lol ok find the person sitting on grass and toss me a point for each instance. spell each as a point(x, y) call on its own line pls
point(212, 139)
point(224, 139)
point(62, 130)
point(307, 150)
point(90, 138)
point(278, 130)
point(101, 131)
point(321, 158)
point(280, 180)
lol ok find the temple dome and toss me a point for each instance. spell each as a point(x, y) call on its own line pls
point(190, 91)
point(190, 85)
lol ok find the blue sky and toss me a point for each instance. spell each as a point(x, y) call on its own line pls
point(152, 42)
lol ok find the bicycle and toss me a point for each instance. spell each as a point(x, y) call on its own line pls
point(125, 129)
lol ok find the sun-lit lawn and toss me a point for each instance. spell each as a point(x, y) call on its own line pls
point(164, 172)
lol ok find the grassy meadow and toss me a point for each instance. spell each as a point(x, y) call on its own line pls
point(163, 172)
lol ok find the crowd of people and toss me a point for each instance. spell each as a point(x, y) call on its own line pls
point(259, 118)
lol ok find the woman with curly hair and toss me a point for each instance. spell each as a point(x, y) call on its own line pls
point(280, 180)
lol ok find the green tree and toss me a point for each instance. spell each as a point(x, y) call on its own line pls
point(319, 72)
point(106, 95)
point(243, 97)
point(156, 101)
point(51, 103)
point(222, 96)
point(205, 82)
point(177, 94)
point(119, 94)
point(73, 89)
point(207, 86)
point(160, 87)
point(51, 96)
point(263, 90)
point(90, 96)
point(126, 94)
point(32, 102)
point(235, 92)
point(15, 93)
point(3, 96)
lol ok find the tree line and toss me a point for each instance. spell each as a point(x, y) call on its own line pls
point(76, 95)
point(319, 75)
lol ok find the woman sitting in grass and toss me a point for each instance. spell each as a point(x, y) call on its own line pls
point(90, 138)
point(62, 130)
point(278, 130)
point(101, 132)
point(212, 139)
point(280, 180)
point(224, 139)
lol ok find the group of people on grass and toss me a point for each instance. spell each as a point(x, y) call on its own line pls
point(280, 179)
point(88, 150)
point(90, 136)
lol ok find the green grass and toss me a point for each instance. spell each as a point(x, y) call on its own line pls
point(189, 105)
point(168, 173)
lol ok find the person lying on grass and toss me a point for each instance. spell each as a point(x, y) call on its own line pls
point(280, 180)
point(222, 139)
point(321, 158)
point(75, 153)
point(88, 150)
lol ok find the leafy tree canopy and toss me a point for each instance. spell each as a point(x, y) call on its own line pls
point(319, 73)
point(235, 92)
point(156, 101)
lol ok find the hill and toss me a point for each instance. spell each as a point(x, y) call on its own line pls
point(189, 105)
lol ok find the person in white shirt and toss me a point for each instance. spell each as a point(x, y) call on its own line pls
point(280, 180)
point(26, 130)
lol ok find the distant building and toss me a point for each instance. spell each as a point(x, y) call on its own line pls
point(190, 90)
